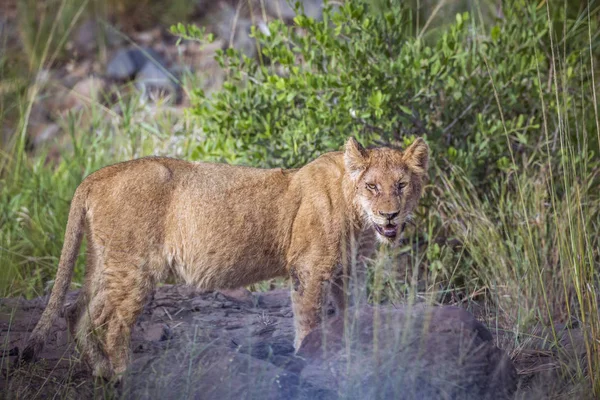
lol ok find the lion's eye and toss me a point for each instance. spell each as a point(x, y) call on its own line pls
point(371, 186)
point(401, 185)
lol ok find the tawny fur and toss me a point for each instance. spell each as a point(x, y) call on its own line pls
point(217, 226)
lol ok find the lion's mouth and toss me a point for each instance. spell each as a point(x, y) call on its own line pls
point(389, 230)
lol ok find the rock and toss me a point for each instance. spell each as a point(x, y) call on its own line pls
point(232, 24)
point(41, 134)
point(126, 63)
point(149, 69)
point(282, 9)
point(192, 352)
point(561, 336)
point(152, 332)
point(90, 88)
point(239, 295)
point(89, 34)
point(263, 350)
point(121, 66)
point(144, 56)
point(417, 352)
point(155, 81)
point(277, 298)
point(43, 77)
point(77, 71)
point(537, 360)
point(235, 30)
point(148, 37)
point(84, 93)
point(85, 38)
point(206, 373)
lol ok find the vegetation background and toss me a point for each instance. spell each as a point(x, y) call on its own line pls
point(505, 93)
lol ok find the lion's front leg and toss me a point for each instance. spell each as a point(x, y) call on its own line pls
point(340, 293)
point(307, 302)
point(358, 267)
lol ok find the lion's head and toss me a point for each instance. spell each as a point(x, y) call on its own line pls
point(388, 183)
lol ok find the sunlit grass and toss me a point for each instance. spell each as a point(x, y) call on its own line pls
point(35, 202)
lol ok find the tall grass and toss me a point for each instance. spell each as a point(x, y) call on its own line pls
point(534, 238)
point(530, 244)
point(536, 255)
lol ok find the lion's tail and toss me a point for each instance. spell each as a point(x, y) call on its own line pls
point(66, 265)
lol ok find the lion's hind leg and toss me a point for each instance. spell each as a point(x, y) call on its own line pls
point(308, 299)
point(117, 296)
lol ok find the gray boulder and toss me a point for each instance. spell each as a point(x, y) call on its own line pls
point(213, 372)
point(156, 79)
point(127, 63)
point(284, 8)
point(417, 352)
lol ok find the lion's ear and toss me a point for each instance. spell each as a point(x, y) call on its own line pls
point(355, 157)
point(417, 156)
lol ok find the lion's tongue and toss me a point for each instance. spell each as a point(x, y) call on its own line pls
point(390, 230)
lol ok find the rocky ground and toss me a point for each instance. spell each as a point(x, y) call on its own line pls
point(108, 58)
point(238, 344)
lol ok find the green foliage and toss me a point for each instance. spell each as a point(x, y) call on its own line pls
point(363, 72)
point(44, 27)
point(192, 32)
point(33, 219)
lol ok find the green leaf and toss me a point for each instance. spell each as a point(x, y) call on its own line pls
point(495, 33)
point(405, 109)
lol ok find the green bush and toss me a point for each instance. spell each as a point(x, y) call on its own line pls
point(364, 72)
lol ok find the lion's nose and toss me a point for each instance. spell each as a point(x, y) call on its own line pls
point(389, 215)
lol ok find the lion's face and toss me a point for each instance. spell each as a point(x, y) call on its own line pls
point(388, 183)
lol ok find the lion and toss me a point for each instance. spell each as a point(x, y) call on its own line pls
point(216, 226)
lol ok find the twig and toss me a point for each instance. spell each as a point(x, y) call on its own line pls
point(462, 114)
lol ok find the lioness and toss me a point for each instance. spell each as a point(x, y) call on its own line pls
point(217, 226)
